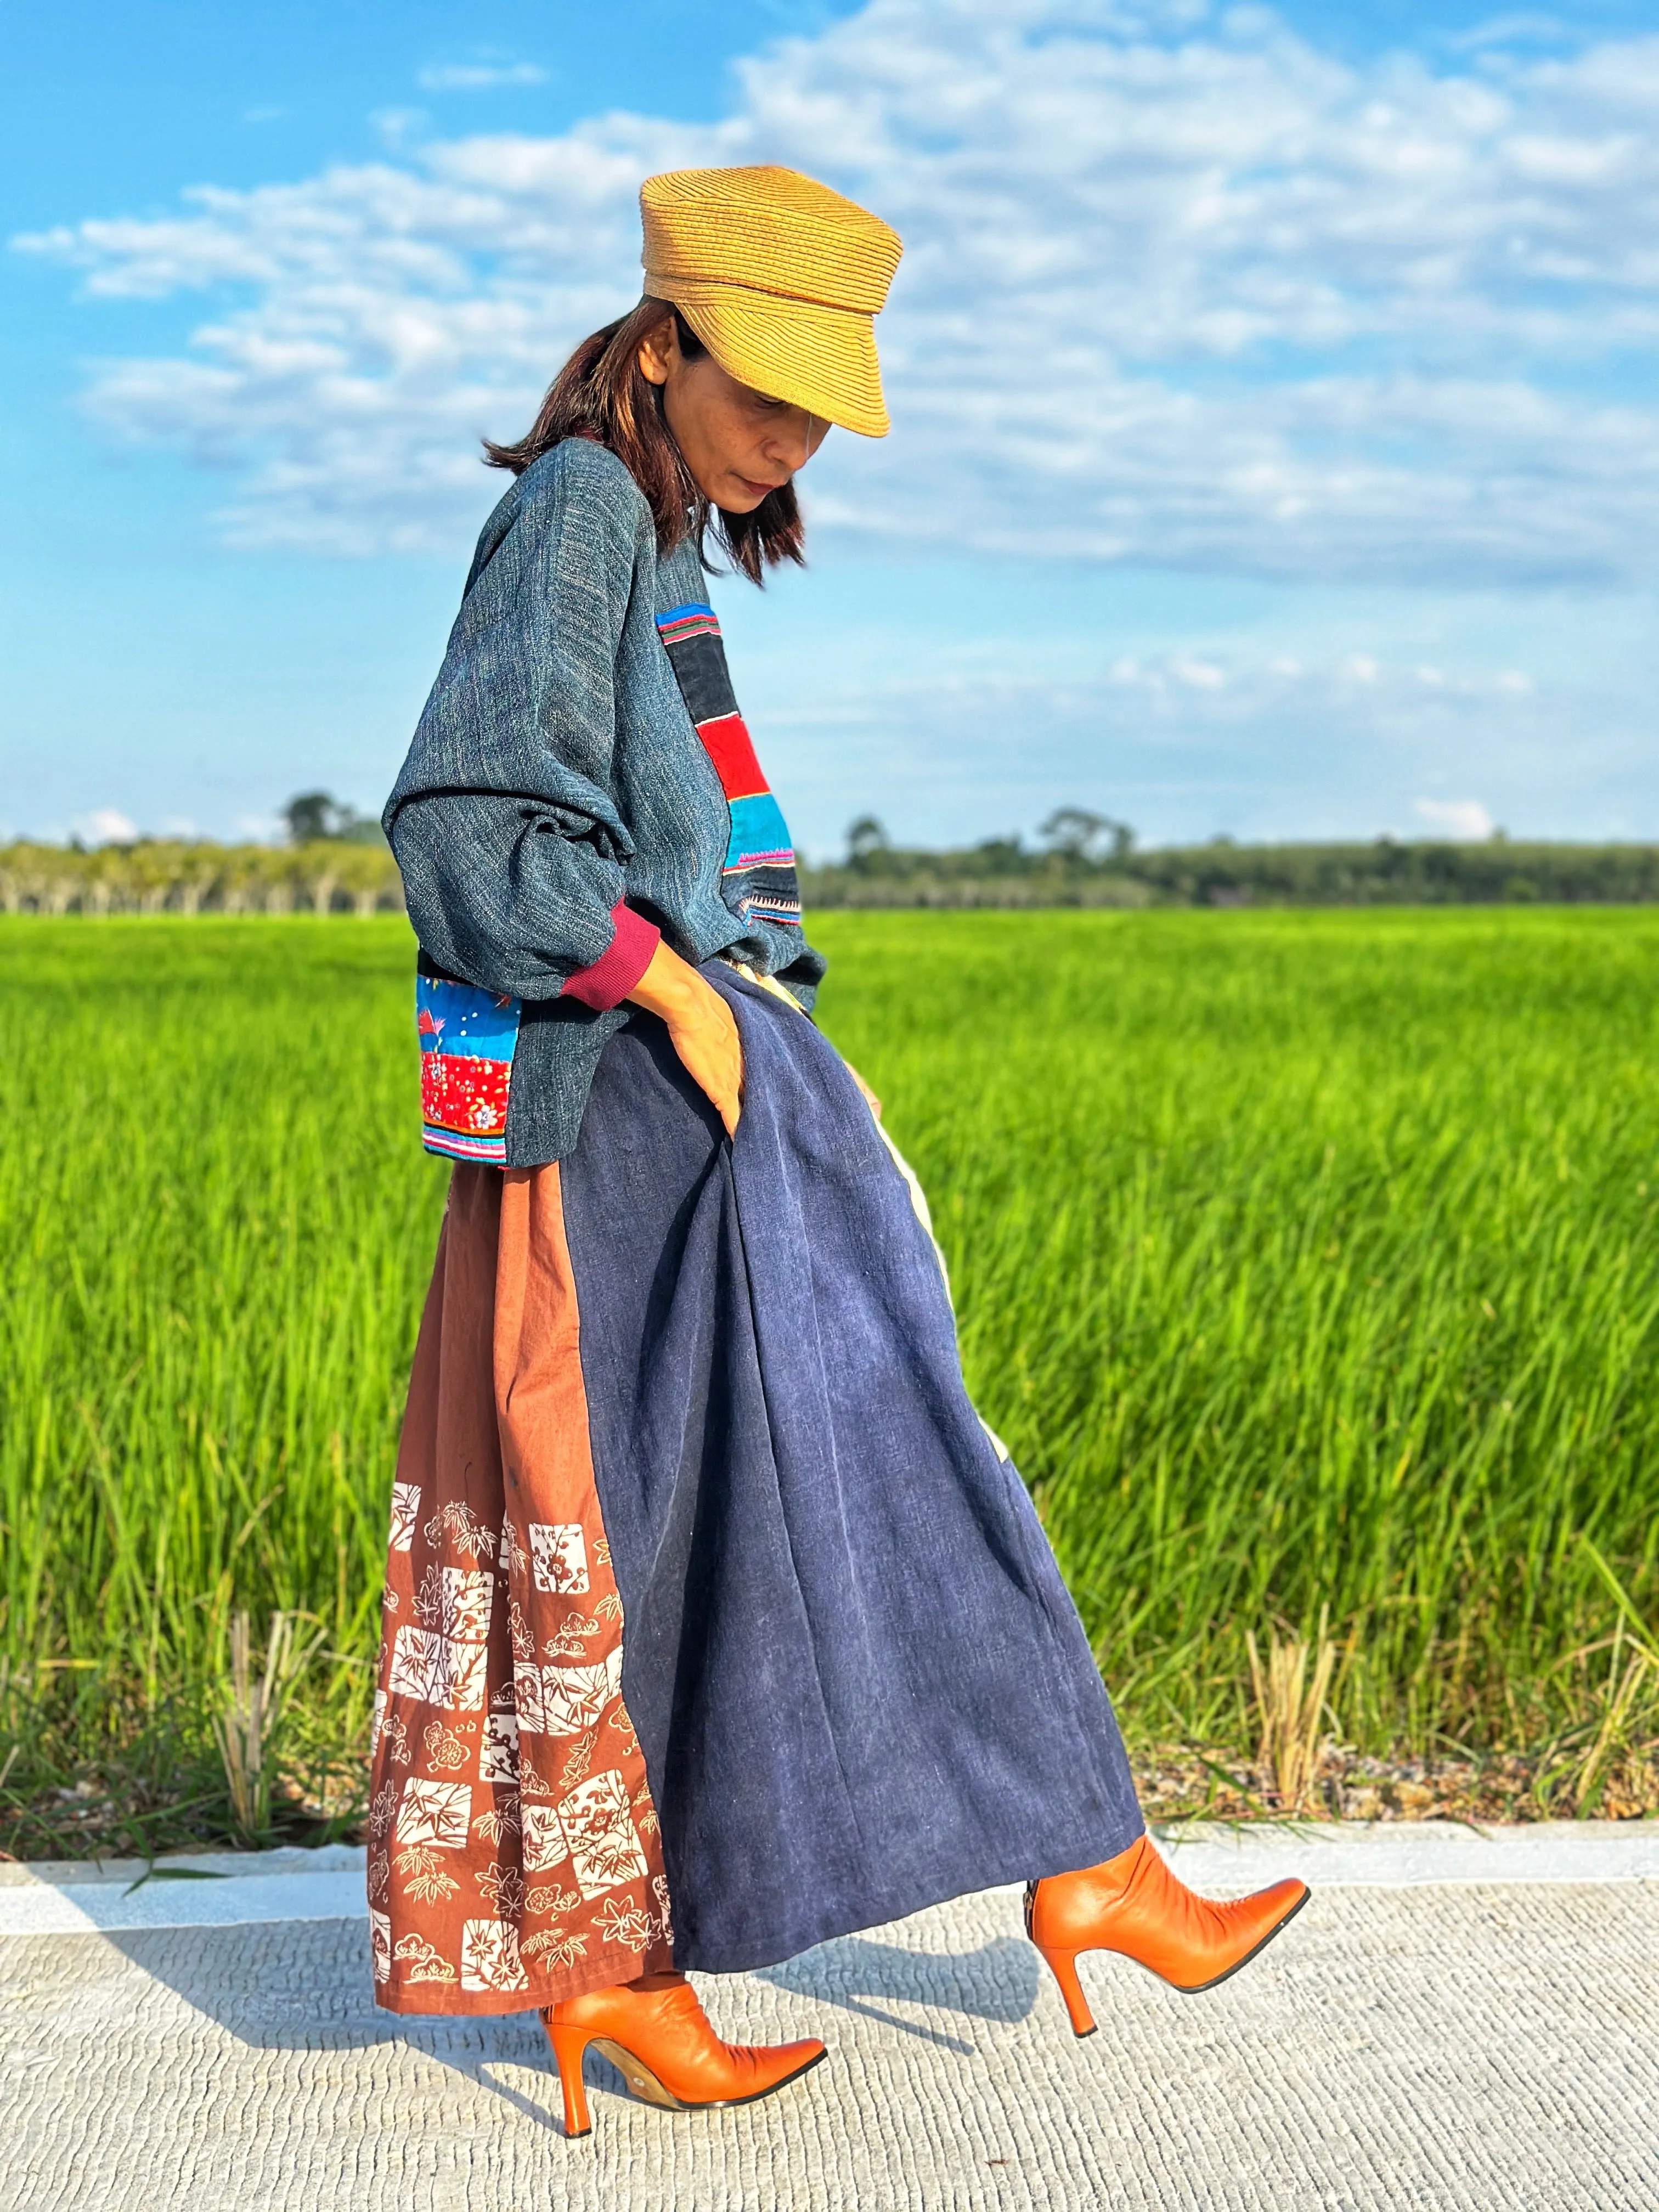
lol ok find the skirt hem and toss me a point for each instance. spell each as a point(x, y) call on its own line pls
point(1036, 1867)
point(460, 2004)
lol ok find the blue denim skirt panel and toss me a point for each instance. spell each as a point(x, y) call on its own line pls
point(858, 1682)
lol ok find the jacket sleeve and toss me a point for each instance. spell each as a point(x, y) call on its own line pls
point(512, 851)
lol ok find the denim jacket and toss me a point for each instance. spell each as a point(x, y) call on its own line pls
point(580, 784)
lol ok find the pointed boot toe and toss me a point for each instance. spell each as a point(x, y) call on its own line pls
point(1134, 1906)
point(1242, 1929)
point(660, 2038)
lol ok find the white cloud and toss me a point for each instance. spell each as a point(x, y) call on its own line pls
point(944, 748)
point(1199, 675)
point(105, 825)
point(1178, 288)
point(479, 77)
point(1463, 818)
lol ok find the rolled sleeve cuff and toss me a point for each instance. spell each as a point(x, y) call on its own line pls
point(606, 981)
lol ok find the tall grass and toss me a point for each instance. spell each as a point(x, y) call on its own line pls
point(215, 1230)
point(1306, 1262)
point(1303, 1260)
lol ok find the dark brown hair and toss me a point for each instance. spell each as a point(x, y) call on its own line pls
point(603, 393)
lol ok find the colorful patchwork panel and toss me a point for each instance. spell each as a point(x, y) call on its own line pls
point(467, 1041)
point(758, 878)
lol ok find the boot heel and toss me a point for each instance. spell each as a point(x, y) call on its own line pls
point(568, 2045)
point(1062, 1965)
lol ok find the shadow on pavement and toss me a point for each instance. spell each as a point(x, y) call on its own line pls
point(999, 1981)
point(306, 1986)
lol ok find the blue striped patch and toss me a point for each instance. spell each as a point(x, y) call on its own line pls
point(760, 836)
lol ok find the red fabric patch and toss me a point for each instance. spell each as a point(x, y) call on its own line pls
point(461, 1093)
point(730, 747)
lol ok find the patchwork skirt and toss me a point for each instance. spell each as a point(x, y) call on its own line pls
point(716, 1623)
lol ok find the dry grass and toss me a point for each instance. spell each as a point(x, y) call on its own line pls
point(1292, 1708)
point(248, 1731)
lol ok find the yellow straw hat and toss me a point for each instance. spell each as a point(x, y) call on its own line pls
point(780, 278)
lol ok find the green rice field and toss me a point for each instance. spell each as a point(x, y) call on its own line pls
point(1306, 1262)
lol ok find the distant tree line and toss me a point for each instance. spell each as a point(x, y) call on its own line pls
point(1088, 860)
point(337, 861)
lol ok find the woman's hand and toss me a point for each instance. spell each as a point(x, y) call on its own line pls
point(701, 1028)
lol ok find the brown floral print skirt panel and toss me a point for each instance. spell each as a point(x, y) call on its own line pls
point(513, 1856)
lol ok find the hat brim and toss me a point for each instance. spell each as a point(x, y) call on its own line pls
point(823, 359)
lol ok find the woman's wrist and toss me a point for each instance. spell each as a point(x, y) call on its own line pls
point(670, 985)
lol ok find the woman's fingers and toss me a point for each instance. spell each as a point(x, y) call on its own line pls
point(711, 1053)
point(701, 1028)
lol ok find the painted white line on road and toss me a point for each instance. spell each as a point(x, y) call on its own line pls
point(66, 1898)
point(1407, 1855)
point(83, 1908)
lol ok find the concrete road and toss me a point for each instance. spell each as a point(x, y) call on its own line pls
point(1448, 2024)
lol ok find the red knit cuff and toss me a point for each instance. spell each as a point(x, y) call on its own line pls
point(606, 981)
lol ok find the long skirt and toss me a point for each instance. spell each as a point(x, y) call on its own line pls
point(716, 1622)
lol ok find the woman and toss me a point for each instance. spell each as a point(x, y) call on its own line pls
point(688, 1366)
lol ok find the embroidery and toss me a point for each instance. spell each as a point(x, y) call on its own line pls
point(439, 1671)
point(467, 1041)
point(758, 876)
point(688, 622)
point(434, 1813)
point(598, 1822)
point(498, 1754)
point(421, 1960)
point(560, 1555)
point(489, 1956)
point(405, 1510)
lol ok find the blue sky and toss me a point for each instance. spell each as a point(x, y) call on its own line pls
point(1276, 447)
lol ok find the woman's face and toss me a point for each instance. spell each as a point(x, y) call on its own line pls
point(738, 444)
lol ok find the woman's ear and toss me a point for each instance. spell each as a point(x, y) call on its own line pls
point(658, 352)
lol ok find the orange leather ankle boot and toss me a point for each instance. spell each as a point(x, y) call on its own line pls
point(1135, 1904)
point(656, 2033)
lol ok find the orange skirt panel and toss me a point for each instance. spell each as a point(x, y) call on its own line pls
point(514, 1854)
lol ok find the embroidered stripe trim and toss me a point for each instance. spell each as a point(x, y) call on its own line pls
point(758, 844)
point(681, 622)
point(491, 1152)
